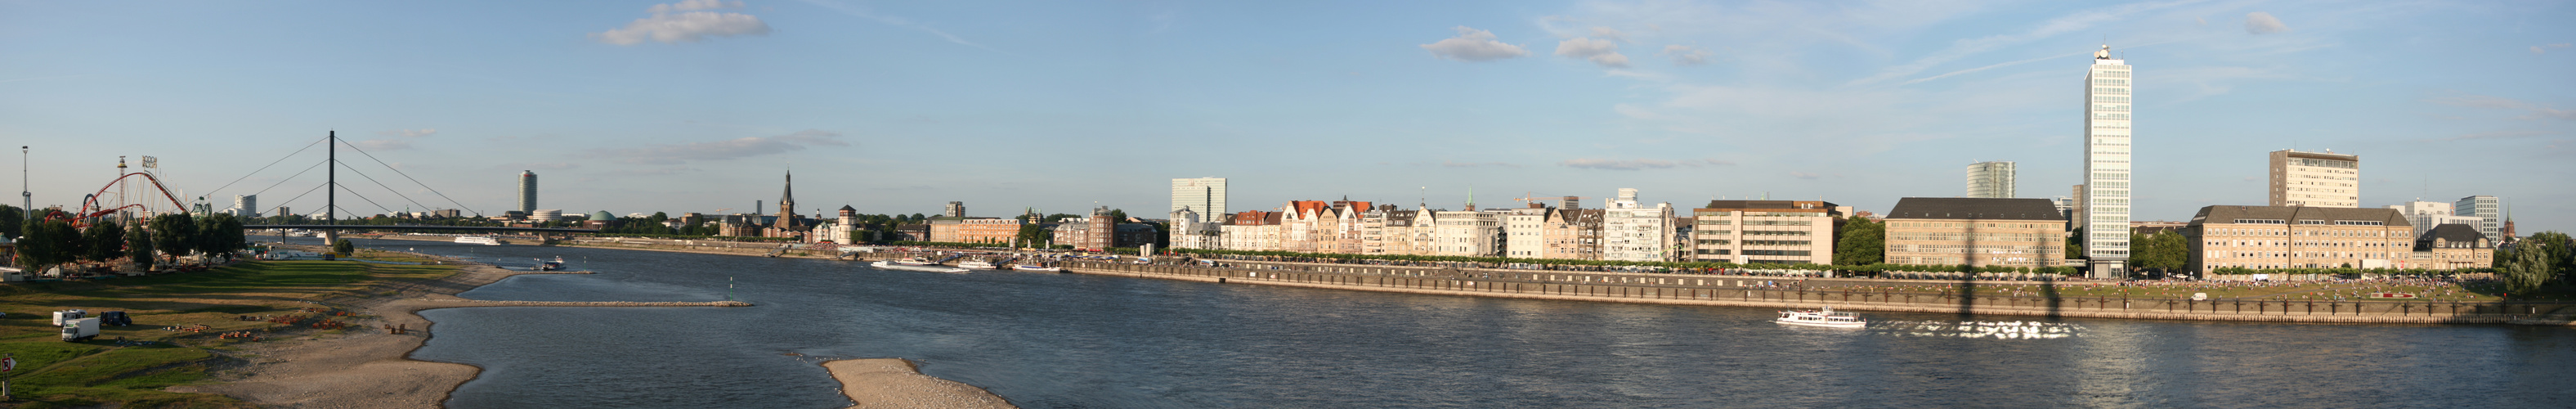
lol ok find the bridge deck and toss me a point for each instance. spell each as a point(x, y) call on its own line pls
point(414, 227)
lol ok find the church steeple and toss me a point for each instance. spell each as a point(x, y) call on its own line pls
point(787, 204)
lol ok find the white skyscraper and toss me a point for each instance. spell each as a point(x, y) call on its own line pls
point(1206, 196)
point(2106, 166)
point(1991, 180)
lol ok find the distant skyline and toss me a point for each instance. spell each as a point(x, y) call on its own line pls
point(699, 105)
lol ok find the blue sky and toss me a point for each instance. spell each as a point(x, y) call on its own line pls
point(902, 107)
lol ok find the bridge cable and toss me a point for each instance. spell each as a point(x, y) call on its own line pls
point(282, 205)
point(432, 190)
point(379, 206)
point(288, 178)
point(387, 188)
point(308, 146)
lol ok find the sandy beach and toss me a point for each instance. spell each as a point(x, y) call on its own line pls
point(367, 367)
point(895, 383)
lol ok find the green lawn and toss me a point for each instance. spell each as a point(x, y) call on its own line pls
point(53, 373)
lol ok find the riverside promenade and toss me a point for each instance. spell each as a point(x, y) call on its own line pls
point(1973, 297)
point(1840, 293)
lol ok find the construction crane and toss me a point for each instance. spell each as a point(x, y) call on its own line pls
point(1563, 202)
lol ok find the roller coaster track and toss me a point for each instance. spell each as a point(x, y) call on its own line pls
point(92, 209)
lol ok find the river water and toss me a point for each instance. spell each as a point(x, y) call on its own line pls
point(1074, 341)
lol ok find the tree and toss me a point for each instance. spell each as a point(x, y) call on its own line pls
point(13, 221)
point(221, 234)
point(2528, 267)
point(659, 217)
point(1861, 242)
point(45, 245)
point(1117, 216)
point(2075, 245)
point(2562, 250)
point(138, 246)
point(343, 246)
point(174, 234)
point(103, 241)
point(2164, 251)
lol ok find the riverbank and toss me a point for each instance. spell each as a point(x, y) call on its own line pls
point(370, 367)
point(895, 383)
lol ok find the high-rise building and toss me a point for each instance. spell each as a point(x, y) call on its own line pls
point(1992, 180)
point(1203, 195)
point(527, 192)
point(245, 206)
point(1634, 231)
point(2315, 179)
point(2486, 209)
point(2427, 215)
point(954, 209)
point(2106, 166)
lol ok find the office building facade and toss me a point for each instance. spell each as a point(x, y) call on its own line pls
point(1976, 231)
point(1203, 195)
point(2487, 209)
point(2316, 179)
point(2107, 166)
point(1991, 180)
point(528, 192)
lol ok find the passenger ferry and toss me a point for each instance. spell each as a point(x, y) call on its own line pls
point(1821, 318)
point(483, 240)
point(882, 265)
point(1033, 267)
point(913, 261)
point(973, 264)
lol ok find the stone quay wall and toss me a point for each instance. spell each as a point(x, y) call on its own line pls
point(1793, 292)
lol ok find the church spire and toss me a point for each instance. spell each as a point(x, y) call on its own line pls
point(787, 198)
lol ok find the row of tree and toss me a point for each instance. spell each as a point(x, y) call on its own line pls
point(2533, 262)
point(56, 242)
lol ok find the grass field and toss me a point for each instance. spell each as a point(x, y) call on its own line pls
point(100, 372)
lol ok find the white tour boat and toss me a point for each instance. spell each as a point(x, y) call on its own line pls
point(1821, 318)
point(881, 265)
point(972, 264)
point(913, 261)
point(483, 240)
point(1030, 267)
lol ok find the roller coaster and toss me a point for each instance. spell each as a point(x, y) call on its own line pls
point(100, 205)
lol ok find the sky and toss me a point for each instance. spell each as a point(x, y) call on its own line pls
point(888, 107)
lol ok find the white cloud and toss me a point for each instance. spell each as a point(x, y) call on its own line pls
point(1472, 45)
point(863, 12)
point(1635, 112)
point(410, 133)
point(720, 150)
point(2537, 111)
point(1607, 33)
point(382, 144)
point(2263, 23)
point(2544, 49)
point(685, 26)
point(1603, 52)
point(694, 5)
point(1687, 55)
point(2080, 21)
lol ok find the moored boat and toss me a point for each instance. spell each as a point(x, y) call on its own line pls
point(882, 265)
point(976, 265)
point(912, 261)
point(483, 240)
point(1026, 267)
point(1826, 317)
